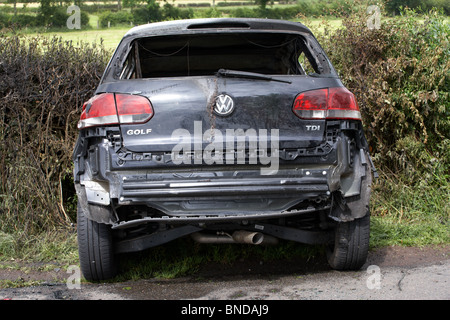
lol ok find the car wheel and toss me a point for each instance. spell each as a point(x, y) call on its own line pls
point(95, 248)
point(351, 244)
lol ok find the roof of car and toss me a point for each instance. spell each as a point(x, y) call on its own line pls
point(215, 25)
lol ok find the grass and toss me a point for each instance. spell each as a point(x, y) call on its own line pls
point(110, 38)
point(184, 257)
point(55, 245)
point(410, 214)
point(36, 253)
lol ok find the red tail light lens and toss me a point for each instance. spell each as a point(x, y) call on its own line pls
point(99, 110)
point(133, 109)
point(110, 108)
point(328, 103)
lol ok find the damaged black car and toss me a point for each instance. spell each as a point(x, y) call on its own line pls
point(225, 131)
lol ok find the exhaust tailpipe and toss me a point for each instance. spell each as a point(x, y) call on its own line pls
point(248, 237)
point(241, 236)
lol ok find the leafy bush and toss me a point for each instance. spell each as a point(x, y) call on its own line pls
point(57, 18)
point(170, 12)
point(3, 20)
point(234, 3)
point(20, 21)
point(150, 13)
point(115, 18)
point(244, 13)
point(400, 75)
point(43, 83)
point(396, 6)
point(336, 8)
point(209, 13)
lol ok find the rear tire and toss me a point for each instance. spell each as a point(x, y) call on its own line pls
point(351, 244)
point(95, 248)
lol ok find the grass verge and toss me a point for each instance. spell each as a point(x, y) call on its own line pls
point(58, 245)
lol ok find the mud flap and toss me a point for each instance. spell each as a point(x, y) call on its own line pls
point(97, 213)
point(356, 206)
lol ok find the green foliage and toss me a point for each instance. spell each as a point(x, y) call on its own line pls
point(262, 3)
point(396, 6)
point(152, 12)
point(210, 13)
point(184, 257)
point(58, 18)
point(53, 16)
point(400, 75)
point(275, 13)
point(46, 10)
point(55, 245)
point(19, 21)
point(335, 8)
point(170, 12)
point(115, 18)
point(43, 83)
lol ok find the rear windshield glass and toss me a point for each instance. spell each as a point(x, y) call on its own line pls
point(205, 54)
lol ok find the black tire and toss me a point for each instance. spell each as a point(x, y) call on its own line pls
point(351, 244)
point(95, 249)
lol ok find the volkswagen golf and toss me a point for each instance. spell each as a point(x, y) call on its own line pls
point(224, 131)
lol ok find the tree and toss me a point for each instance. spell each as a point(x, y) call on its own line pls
point(262, 3)
point(394, 6)
point(14, 2)
point(46, 9)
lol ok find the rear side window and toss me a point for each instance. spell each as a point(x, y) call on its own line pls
point(205, 54)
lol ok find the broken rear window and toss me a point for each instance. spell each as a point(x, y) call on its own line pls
point(205, 54)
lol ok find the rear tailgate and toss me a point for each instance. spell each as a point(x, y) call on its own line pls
point(184, 112)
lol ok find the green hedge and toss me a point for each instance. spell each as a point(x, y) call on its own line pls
point(43, 84)
point(400, 74)
point(56, 19)
point(115, 18)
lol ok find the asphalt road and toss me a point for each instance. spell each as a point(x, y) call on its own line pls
point(393, 273)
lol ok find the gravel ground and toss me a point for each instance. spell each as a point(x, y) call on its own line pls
point(391, 273)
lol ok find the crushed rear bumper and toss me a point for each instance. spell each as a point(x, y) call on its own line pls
point(105, 175)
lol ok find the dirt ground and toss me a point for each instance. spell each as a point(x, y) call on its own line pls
point(383, 257)
point(405, 273)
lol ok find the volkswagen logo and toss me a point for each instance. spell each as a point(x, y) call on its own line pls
point(224, 105)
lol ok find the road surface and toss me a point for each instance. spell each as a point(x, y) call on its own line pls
point(392, 273)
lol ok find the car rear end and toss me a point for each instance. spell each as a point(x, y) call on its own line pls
point(228, 130)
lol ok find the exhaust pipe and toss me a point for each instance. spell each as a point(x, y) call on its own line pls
point(248, 237)
point(241, 236)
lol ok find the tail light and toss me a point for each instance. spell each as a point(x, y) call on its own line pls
point(115, 108)
point(328, 103)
